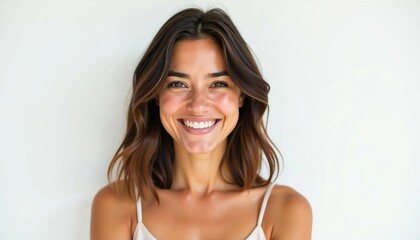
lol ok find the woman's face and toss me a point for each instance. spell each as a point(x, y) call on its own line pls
point(199, 103)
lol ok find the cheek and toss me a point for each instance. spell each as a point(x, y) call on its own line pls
point(168, 106)
point(227, 102)
point(169, 103)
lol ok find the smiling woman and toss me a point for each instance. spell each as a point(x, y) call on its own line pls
point(189, 165)
point(199, 106)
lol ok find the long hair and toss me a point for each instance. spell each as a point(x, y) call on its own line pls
point(145, 157)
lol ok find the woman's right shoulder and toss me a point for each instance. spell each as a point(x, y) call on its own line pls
point(112, 213)
point(113, 194)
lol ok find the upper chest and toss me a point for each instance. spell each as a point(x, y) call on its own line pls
point(180, 216)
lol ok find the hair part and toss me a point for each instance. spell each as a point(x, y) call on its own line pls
point(144, 159)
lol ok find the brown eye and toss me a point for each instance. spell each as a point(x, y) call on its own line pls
point(219, 84)
point(177, 84)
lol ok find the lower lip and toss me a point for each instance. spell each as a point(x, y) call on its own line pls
point(199, 131)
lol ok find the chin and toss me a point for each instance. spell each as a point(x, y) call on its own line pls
point(199, 148)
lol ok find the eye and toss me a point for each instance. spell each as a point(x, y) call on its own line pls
point(219, 84)
point(177, 84)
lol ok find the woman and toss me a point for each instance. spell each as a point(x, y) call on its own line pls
point(188, 167)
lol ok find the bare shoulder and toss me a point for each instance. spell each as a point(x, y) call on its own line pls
point(290, 201)
point(112, 214)
point(289, 214)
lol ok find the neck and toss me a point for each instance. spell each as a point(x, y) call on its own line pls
point(200, 173)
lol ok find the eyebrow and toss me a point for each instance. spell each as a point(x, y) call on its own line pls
point(184, 75)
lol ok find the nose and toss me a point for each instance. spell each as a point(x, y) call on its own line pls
point(198, 101)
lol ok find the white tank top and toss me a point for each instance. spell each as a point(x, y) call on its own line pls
point(142, 233)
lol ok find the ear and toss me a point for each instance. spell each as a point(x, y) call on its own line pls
point(157, 101)
point(241, 100)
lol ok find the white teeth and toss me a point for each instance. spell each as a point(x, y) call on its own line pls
point(199, 125)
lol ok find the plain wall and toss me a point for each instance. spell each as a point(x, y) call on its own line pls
point(344, 77)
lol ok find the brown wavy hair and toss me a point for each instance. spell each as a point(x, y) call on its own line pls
point(145, 157)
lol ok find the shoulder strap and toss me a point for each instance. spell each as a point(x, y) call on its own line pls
point(139, 210)
point(264, 203)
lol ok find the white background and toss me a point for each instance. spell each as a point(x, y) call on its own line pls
point(344, 77)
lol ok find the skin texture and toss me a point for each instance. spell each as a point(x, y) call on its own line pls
point(198, 97)
point(200, 203)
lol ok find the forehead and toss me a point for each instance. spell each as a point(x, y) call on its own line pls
point(197, 53)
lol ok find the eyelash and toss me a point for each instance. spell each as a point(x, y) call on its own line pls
point(175, 84)
point(179, 84)
point(218, 83)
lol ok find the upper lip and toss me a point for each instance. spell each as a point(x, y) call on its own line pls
point(196, 119)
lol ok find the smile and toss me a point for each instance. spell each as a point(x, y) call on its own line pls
point(199, 125)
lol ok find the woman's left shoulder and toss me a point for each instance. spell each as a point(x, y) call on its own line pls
point(286, 196)
point(289, 213)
